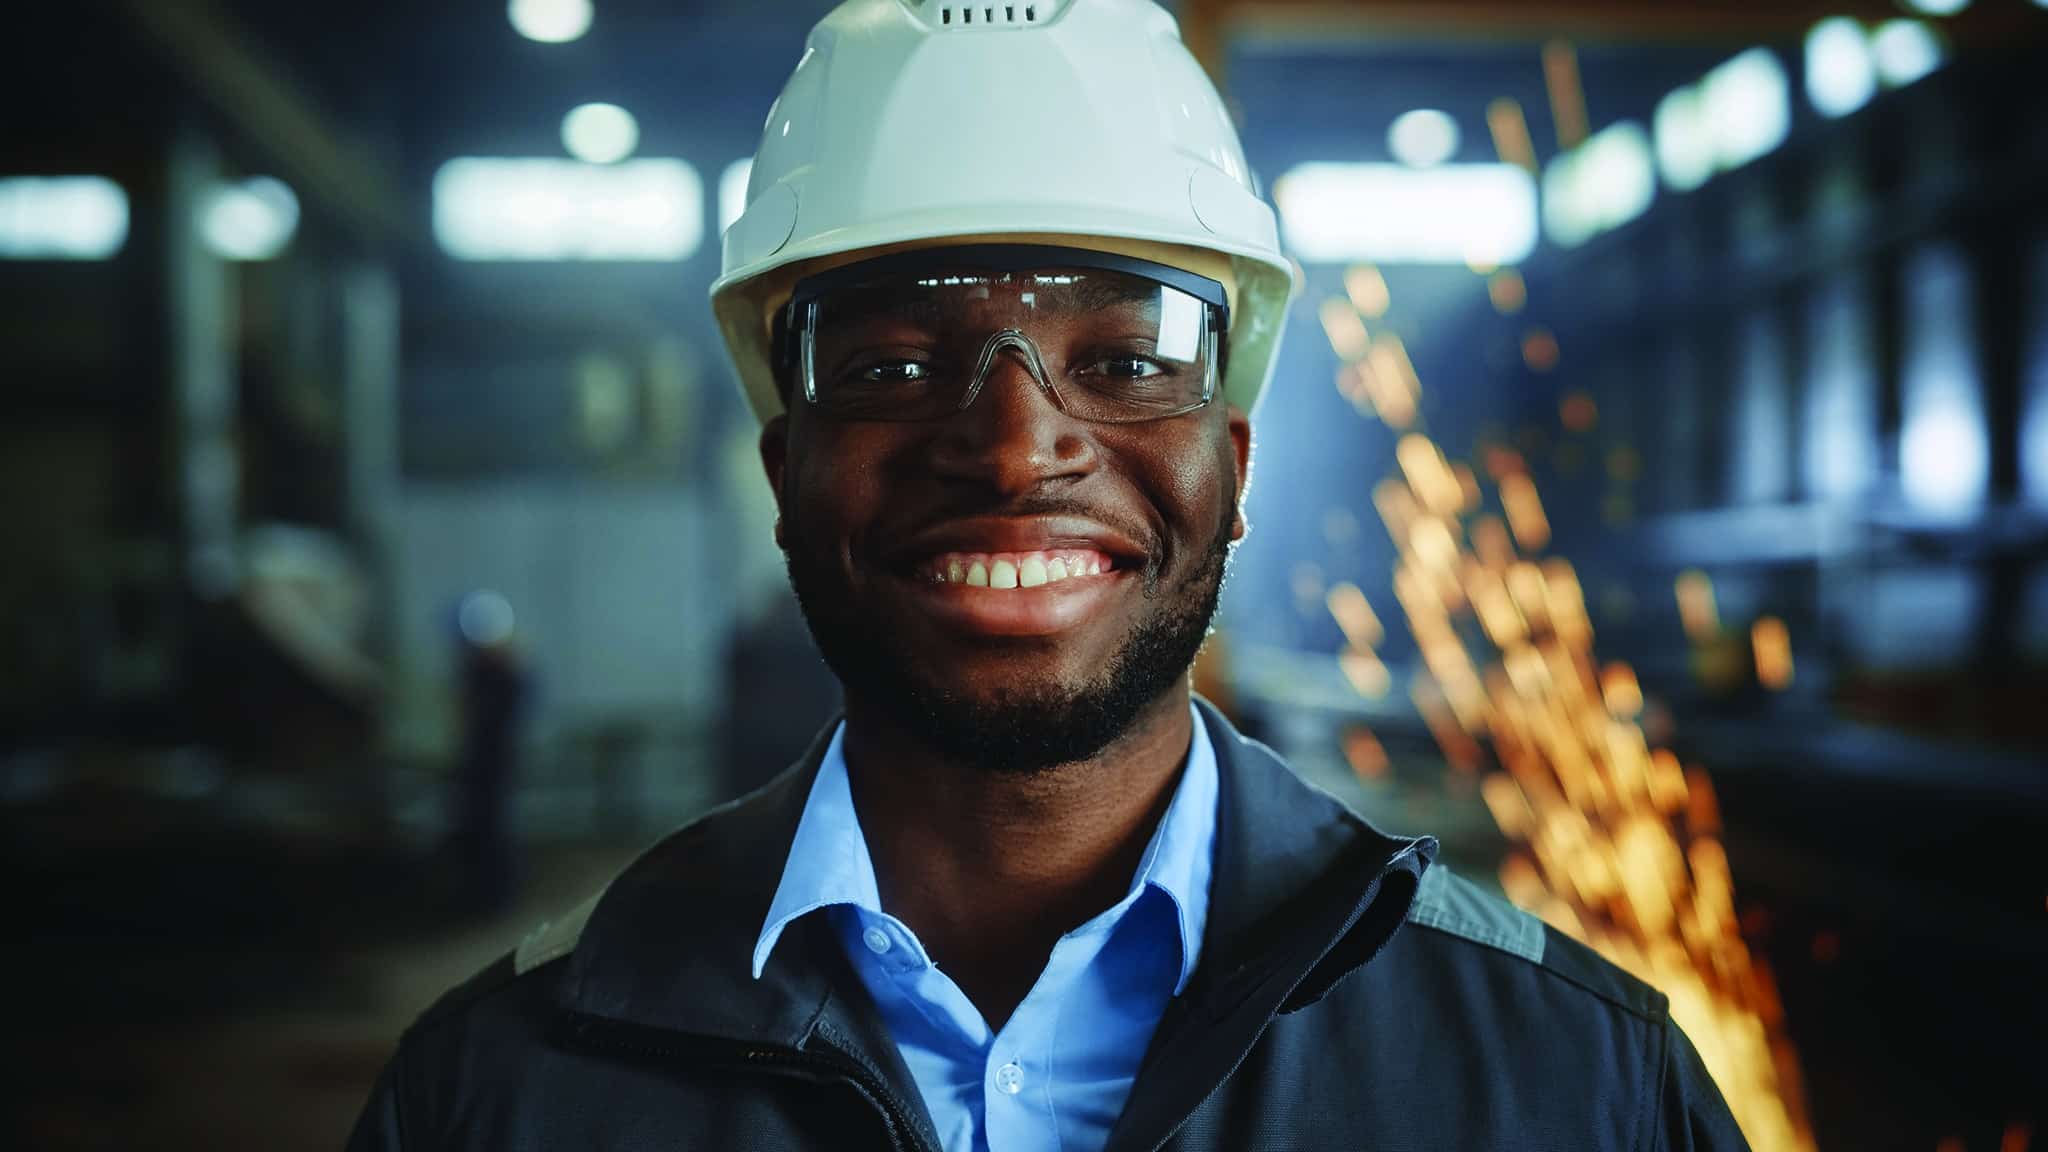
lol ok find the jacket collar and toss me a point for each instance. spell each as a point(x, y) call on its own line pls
point(1296, 902)
point(669, 943)
point(1289, 856)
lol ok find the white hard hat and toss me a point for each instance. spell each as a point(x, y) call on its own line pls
point(915, 123)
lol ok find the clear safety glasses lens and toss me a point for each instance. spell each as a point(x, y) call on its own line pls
point(1105, 345)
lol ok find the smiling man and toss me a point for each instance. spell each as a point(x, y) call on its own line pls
point(1002, 297)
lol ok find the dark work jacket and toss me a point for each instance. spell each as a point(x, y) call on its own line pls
point(1349, 996)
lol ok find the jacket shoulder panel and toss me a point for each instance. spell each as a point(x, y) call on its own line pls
point(488, 980)
point(547, 942)
point(1450, 903)
point(1570, 960)
point(1455, 906)
point(554, 939)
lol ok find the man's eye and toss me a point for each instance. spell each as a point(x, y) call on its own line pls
point(1126, 368)
point(895, 372)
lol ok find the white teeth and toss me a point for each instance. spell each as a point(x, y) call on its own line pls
point(1013, 569)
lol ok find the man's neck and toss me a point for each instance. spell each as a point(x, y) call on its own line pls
point(990, 869)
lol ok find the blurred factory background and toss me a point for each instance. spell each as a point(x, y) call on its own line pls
point(1652, 502)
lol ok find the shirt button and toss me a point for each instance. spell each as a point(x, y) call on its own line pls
point(876, 940)
point(1010, 1078)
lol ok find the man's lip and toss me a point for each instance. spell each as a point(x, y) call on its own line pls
point(1019, 534)
point(1043, 611)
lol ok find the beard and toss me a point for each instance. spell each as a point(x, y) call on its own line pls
point(1026, 729)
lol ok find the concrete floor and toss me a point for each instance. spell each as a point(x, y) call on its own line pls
point(290, 1076)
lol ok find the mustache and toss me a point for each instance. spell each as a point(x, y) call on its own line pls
point(1136, 530)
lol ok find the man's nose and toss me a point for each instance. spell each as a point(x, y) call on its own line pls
point(1013, 435)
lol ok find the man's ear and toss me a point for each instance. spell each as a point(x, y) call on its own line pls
point(774, 457)
point(1241, 457)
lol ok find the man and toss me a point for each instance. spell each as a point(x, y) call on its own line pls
point(1002, 297)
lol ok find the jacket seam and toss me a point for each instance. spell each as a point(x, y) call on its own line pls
point(543, 958)
point(1654, 1111)
point(441, 1014)
point(399, 1086)
point(1648, 1015)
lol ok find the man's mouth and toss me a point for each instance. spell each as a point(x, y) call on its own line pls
point(1016, 593)
point(1008, 570)
point(1018, 575)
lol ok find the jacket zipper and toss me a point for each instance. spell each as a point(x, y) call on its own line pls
point(1350, 922)
point(902, 1129)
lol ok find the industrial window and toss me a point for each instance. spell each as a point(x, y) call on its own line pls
point(1944, 459)
point(1839, 458)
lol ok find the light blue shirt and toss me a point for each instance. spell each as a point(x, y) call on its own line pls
point(1057, 1075)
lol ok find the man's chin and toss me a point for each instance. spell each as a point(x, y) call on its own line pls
point(1015, 732)
point(1020, 728)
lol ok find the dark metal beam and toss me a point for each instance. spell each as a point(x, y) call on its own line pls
point(212, 54)
point(1618, 21)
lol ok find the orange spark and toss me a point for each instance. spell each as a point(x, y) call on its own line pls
point(1578, 412)
point(1394, 374)
point(1367, 758)
point(1367, 290)
point(1773, 646)
point(1567, 98)
point(1366, 672)
point(1618, 687)
point(1346, 331)
point(1355, 616)
point(1508, 291)
point(1510, 130)
point(1696, 605)
point(1525, 511)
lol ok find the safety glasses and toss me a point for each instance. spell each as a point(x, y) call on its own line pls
point(917, 335)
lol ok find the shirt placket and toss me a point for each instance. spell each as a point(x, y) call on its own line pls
point(1019, 1070)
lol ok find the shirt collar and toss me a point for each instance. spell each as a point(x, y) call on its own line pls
point(828, 860)
point(829, 863)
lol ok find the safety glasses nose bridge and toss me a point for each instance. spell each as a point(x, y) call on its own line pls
point(1015, 340)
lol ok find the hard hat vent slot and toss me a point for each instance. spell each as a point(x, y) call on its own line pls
point(991, 16)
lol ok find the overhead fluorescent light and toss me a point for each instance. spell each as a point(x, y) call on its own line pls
point(1684, 144)
point(1841, 75)
point(61, 218)
point(252, 220)
point(1423, 138)
point(600, 133)
point(1736, 113)
point(1905, 51)
point(1748, 106)
point(1602, 184)
point(499, 208)
point(1393, 214)
point(550, 21)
